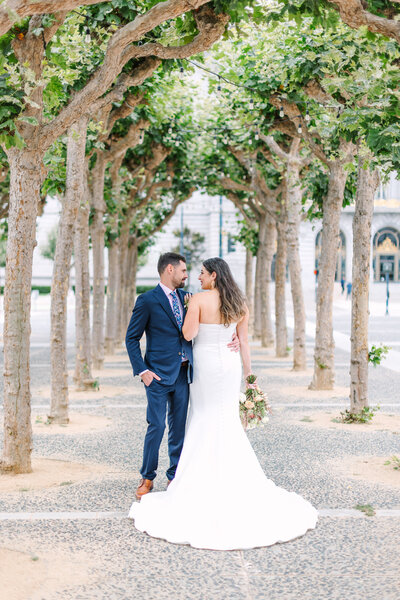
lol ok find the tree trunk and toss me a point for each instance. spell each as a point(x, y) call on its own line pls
point(259, 275)
point(267, 335)
point(97, 231)
point(83, 361)
point(122, 288)
point(130, 267)
point(293, 253)
point(76, 171)
point(131, 277)
point(112, 295)
point(367, 183)
point(280, 299)
point(25, 181)
point(249, 286)
point(324, 353)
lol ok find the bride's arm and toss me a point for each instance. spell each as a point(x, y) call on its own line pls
point(242, 329)
point(190, 325)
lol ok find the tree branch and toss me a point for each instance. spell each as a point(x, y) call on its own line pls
point(355, 14)
point(293, 112)
point(269, 158)
point(274, 146)
point(234, 198)
point(12, 11)
point(170, 214)
point(230, 184)
point(211, 27)
point(130, 140)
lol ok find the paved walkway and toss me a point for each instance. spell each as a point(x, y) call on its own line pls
point(81, 546)
point(83, 526)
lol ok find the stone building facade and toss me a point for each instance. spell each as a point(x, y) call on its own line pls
point(206, 215)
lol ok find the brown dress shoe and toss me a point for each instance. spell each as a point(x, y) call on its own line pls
point(169, 481)
point(145, 486)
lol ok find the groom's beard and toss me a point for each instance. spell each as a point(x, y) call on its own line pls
point(181, 284)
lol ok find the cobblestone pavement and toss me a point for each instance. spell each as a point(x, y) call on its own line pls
point(348, 555)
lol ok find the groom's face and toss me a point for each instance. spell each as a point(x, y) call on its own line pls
point(179, 275)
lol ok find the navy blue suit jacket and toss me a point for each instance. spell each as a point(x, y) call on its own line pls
point(153, 315)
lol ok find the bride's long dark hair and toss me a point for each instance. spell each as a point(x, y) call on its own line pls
point(233, 306)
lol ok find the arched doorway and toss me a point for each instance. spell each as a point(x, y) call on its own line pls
point(386, 254)
point(340, 272)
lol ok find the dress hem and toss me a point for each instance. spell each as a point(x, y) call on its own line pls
point(224, 549)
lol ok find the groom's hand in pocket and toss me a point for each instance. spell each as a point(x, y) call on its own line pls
point(148, 376)
point(234, 345)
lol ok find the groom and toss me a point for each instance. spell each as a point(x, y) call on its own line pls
point(167, 367)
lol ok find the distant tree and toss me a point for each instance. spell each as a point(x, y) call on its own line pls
point(3, 248)
point(49, 249)
point(193, 247)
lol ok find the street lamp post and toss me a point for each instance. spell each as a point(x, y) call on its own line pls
point(387, 293)
point(220, 226)
point(181, 245)
point(387, 268)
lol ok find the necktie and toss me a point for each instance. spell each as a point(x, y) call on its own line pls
point(177, 315)
point(175, 309)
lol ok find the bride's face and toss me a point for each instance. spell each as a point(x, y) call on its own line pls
point(207, 280)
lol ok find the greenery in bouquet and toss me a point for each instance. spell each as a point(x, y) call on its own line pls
point(253, 405)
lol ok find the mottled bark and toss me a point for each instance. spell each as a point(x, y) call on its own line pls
point(249, 286)
point(97, 231)
point(259, 274)
point(324, 353)
point(122, 287)
point(13, 11)
point(367, 184)
point(112, 295)
point(76, 172)
point(280, 296)
point(25, 181)
point(293, 254)
point(292, 190)
point(131, 276)
point(83, 360)
point(355, 13)
point(128, 281)
point(268, 249)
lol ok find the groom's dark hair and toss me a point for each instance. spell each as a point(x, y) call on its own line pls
point(169, 258)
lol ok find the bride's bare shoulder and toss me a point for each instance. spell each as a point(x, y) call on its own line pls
point(204, 296)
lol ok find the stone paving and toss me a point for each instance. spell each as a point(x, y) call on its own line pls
point(348, 556)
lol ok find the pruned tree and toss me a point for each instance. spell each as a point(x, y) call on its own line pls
point(29, 134)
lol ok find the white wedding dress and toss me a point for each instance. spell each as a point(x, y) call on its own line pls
point(220, 498)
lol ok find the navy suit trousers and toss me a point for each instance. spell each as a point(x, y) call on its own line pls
point(159, 397)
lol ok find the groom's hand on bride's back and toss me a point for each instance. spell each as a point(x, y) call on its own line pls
point(234, 345)
point(148, 376)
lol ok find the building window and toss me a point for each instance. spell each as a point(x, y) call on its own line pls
point(386, 254)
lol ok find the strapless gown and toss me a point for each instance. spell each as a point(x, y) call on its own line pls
point(220, 498)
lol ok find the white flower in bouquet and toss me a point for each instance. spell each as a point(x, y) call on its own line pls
point(265, 420)
point(242, 397)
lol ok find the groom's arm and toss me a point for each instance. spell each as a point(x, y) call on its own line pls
point(136, 328)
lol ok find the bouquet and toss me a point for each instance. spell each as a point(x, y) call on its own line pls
point(253, 405)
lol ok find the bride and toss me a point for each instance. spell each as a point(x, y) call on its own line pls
point(220, 498)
